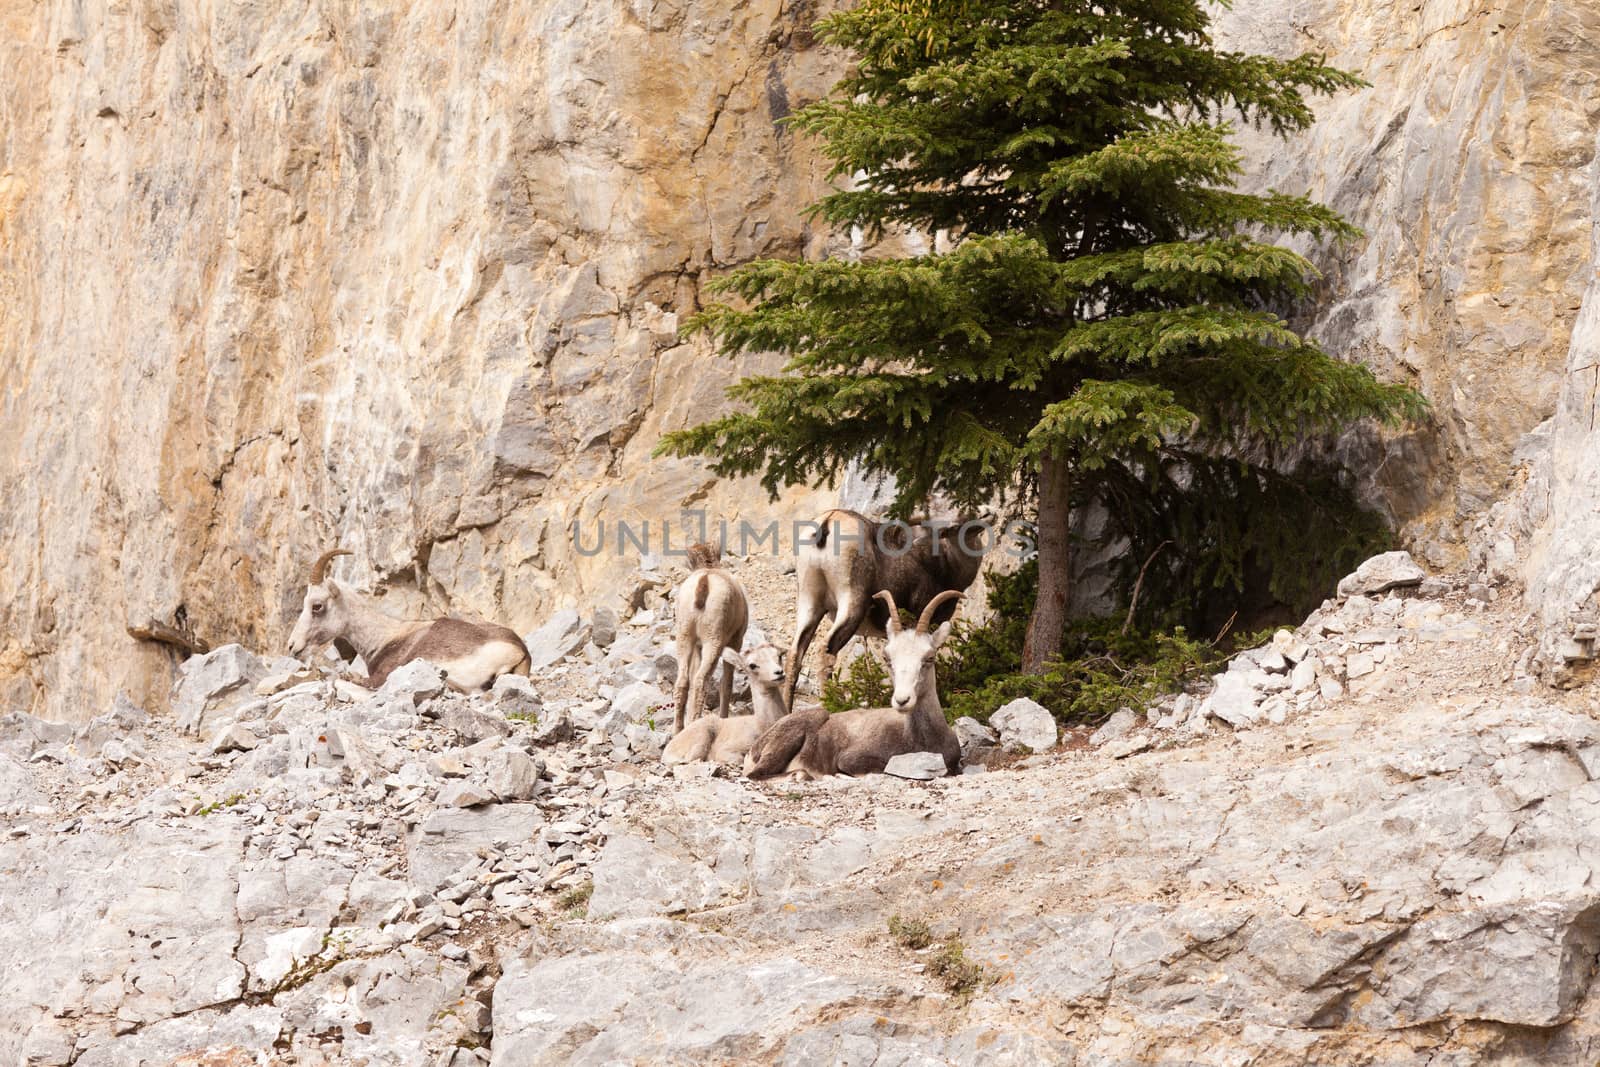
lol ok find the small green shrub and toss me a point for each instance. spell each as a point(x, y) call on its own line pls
point(1101, 668)
point(864, 684)
point(960, 976)
point(948, 963)
point(575, 901)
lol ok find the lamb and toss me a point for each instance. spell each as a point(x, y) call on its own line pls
point(713, 614)
point(727, 740)
point(842, 578)
point(471, 654)
point(813, 743)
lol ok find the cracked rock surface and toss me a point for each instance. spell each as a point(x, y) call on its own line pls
point(1403, 871)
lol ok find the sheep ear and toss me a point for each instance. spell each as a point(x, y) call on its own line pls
point(732, 658)
point(942, 634)
point(333, 589)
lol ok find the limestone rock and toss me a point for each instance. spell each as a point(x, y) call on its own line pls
point(558, 638)
point(917, 766)
point(1118, 726)
point(412, 684)
point(1236, 699)
point(1391, 570)
point(1026, 724)
point(973, 735)
point(212, 682)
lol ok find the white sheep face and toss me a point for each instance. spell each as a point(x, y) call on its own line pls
point(911, 655)
point(764, 665)
point(324, 617)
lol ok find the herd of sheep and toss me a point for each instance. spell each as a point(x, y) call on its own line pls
point(860, 572)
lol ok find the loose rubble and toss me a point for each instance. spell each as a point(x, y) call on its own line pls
point(1367, 840)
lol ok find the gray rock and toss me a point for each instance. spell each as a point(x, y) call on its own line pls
point(552, 728)
point(237, 737)
point(412, 684)
point(917, 766)
point(514, 696)
point(214, 682)
point(562, 635)
point(470, 723)
point(1290, 646)
point(1236, 699)
point(1117, 726)
point(638, 702)
point(1381, 573)
point(973, 735)
point(1026, 724)
point(603, 627)
point(512, 774)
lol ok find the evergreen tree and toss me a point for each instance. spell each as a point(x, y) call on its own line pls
point(1108, 295)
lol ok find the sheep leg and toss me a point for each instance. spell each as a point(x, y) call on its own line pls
point(846, 621)
point(808, 616)
point(858, 761)
point(680, 687)
point(706, 660)
point(726, 699)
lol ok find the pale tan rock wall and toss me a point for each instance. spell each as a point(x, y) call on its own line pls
point(404, 277)
point(1468, 163)
point(407, 277)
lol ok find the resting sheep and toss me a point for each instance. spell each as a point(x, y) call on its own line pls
point(813, 743)
point(727, 740)
point(471, 654)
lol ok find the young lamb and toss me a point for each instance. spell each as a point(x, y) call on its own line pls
point(712, 615)
point(727, 740)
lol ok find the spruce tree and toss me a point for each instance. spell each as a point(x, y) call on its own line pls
point(1106, 295)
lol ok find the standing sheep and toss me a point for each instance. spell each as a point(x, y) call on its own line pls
point(712, 614)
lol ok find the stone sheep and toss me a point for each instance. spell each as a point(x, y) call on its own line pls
point(471, 654)
point(727, 740)
point(812, 743)
point(712, 615)
point(853, 558)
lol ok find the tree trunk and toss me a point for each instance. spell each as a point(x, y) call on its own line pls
point(1055, 572)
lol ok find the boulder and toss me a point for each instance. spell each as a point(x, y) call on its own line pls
point(1391, 570)
point(513, 696)
point(973, 735)
point(511, 774)
point(603, 627)
point(917, 766)
point(558, 638)
point(213, 683)
point(1025, 723)
point(1117, 726)
point(1236, 698)
point(412, 684)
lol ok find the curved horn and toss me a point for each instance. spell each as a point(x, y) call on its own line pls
point(887, 597)
point(933, 606)
point(319, 569)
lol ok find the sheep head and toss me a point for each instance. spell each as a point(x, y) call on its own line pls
point(324, 612)
point(911, 652)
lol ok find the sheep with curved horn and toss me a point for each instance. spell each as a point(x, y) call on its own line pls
point(852, 558)
point(471, 654)
point(813, 743)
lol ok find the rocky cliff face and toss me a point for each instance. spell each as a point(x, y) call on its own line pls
point(401, 277)
point(408, 277)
